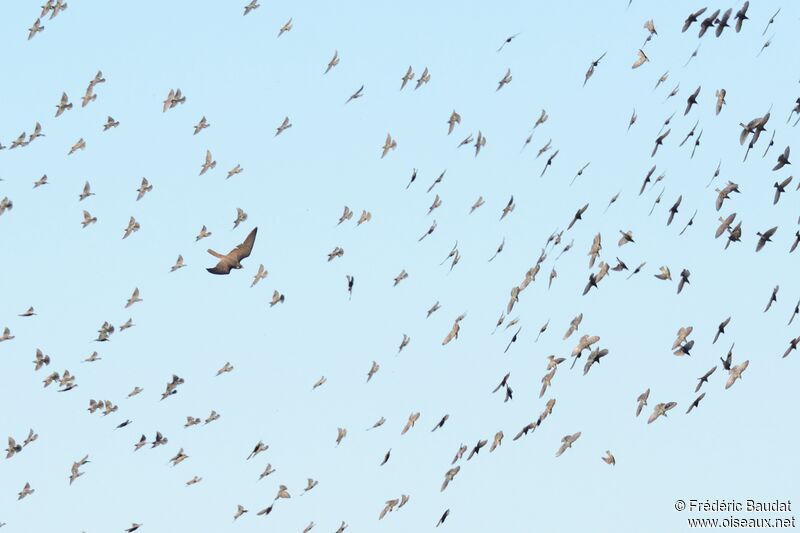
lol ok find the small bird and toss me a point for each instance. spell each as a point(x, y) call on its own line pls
point(277, 298)
point(704, 379)
point(424, 78)
point(480, 142)
point(258, 448)
point(659, 141)
point(333, 62)
point(507, 41)
point(259, 275)
point(590, 71)
point(358, 94)
point(63, 105)
point(504, 81)
point(341, 433)
point(134, 298)
point(772, 298)
point(640, 60)
point(454, 119)
point(110, 123)
point(285, 125)
point(765, 237)
point(80, 144)
point(26, 491)
point(208, 164)
point(144, 188)
point(609, 459)
point(178, 264)
point(234, 171)
point(721, 329)
point(286, 27)
point(133, 227)
point(203, 234)
point(642, 401)
point(240, 510)
point(247, 9)
point(735, 373)
point(200, 126)
point(86, 193)
point(720, 94)
point(88, 219)
point(408, 76)
point(660, 410)
point(567, 442)
point(412, 419)
point(783, 159)
point(684, 279)
point(696, 402)
point(389, 144)
point(241, 216)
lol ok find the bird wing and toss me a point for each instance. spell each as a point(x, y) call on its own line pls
point(243, 250)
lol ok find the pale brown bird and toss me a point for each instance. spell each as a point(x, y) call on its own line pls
point(640, 60)
point(454, 119)
point(200, 126)
point(80, 144)
point(423, 79)
point(286, 27)
point(736, 373)
point(134, 298)
point(408, 76)
point(261, 274)
point(208, 164)
point(642, 401)
point(389, 144)
point(133, 227)
point(88, 219)
point(178, 264)
point(412, 419)
point(609, 459)
point(333, 62)
point(567, 442)
point(110, 123)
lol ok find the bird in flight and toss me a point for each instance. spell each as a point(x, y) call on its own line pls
point(232, 260)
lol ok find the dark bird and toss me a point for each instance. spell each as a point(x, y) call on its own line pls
point(660, 141)
point(765, 237)
point(692, 100)
point(773, 298)
point(704, 378)
point(721, 329)
point(233, 259)
point(783, 159)
point(696, 402)
point(780, 188)
point(507, 41)
point(708, 22)
point(443, 518)
point(741, 16)
point(692, 18)
point(674, 209)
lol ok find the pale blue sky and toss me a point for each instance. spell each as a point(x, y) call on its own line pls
point(234, 71)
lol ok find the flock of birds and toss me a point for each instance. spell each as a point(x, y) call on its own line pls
point(587, 346)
